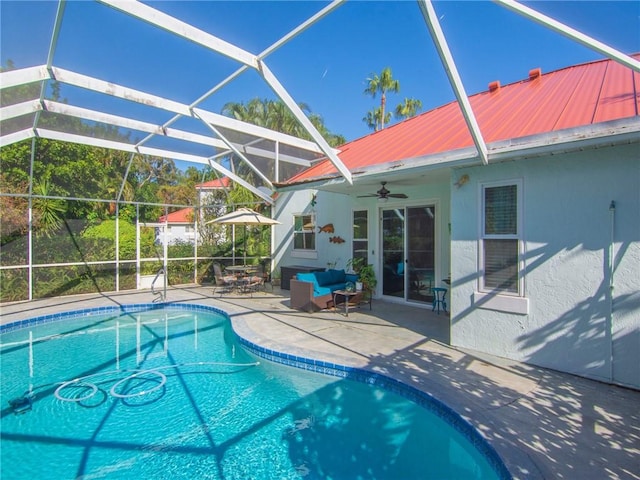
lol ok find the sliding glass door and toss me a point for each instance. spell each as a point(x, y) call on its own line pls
point(393, 283)
point(420, 252)
point(408, 252)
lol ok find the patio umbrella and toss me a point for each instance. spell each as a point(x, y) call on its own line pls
point(244, 216)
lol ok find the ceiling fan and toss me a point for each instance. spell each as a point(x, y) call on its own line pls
point(384, 194)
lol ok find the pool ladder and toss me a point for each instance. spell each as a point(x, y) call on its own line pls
point(161, 296)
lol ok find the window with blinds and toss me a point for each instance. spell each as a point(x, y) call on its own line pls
point(360, 245)
point(500, 242)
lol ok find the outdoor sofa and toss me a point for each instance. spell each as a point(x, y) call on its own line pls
point(314, 291)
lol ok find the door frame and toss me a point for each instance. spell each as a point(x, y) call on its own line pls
point(437, 261)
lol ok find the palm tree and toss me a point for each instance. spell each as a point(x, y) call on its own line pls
point(382, 84)
point(374, 119)
point(275, 115)
point(409, 108)
point(48, 212)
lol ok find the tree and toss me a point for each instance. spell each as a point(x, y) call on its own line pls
point(48, 213)
point(381, 85)
point(409, 108)
point(275, 115)
point(374, 119)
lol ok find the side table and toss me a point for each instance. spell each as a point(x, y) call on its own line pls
point(351, 298)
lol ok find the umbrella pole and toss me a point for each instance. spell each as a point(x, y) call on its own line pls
point(233, 243)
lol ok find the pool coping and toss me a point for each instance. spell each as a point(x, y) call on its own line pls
point(362, 375)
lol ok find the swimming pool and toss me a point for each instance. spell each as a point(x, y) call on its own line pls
point(147, 392)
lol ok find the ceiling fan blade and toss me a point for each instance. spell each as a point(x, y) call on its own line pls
point(384, 193)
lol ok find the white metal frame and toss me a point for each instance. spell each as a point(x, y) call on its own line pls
point(309, 150)
point(316, 149)
point(306, 151)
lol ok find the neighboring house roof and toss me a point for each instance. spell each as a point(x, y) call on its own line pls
point(184, 215)
point(572, 97)
point(216, 184)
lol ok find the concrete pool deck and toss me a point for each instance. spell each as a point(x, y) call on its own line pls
point(544, 424)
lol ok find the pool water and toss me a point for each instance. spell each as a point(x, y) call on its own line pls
point(171, 393)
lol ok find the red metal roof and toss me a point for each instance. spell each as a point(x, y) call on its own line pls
point(184, 215)
point(571, 97)
point(215, 184)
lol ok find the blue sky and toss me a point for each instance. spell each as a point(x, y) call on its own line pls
point(326, 66)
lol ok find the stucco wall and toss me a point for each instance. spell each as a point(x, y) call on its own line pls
point(337, 209)
point(329, 208)
point(573, 324)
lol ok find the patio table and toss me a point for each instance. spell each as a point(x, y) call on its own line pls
point(241, 269)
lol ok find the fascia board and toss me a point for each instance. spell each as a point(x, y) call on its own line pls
point(610, 133)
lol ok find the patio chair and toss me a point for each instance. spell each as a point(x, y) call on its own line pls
point(223, 282)
point(253, 283)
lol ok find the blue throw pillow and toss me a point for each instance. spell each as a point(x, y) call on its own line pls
point(352, 277)
point(323, 278)
point(400, 270)
point(337, 276)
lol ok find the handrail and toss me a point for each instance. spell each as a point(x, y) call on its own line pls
point(163, 294)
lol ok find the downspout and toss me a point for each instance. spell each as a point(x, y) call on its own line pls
point(612, 215)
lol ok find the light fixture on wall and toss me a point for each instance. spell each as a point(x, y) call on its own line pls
point(462, 180)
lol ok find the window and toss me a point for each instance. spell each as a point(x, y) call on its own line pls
point(360, 247)
point(500, 238)
point(304, 232)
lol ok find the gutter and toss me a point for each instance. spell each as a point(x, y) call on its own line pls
point(606, 134)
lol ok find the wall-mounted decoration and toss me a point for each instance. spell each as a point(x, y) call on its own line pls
point(336, 239)
point(328, 228)
point(314, 200)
